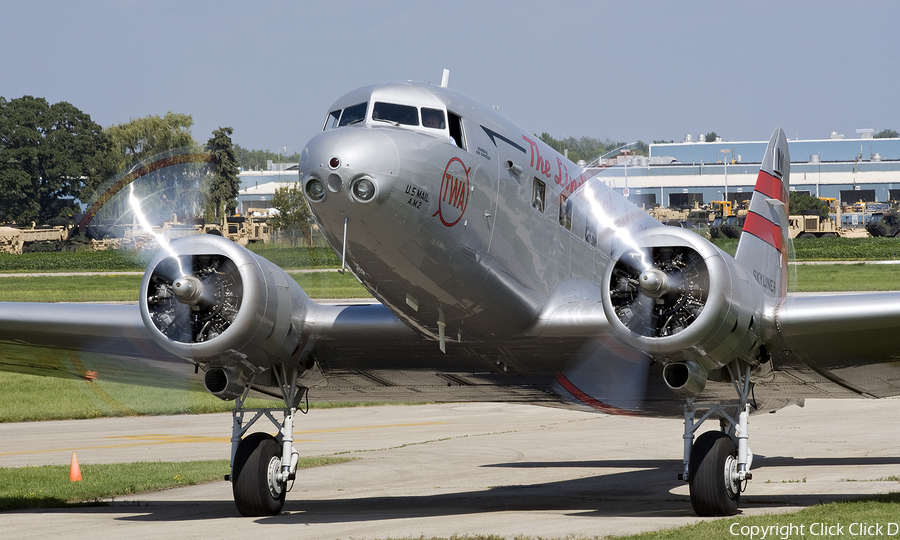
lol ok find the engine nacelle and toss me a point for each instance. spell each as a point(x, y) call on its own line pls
point(681, 300)
point(210, 301)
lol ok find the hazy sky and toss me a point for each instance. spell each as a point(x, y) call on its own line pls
point(623, 70)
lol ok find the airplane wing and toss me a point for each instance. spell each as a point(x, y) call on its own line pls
point(361, 353)
point(87, 341)
point(849, 339)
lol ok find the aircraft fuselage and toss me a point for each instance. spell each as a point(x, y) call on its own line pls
point(474, 226)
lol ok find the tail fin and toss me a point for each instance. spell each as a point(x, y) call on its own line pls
point(763, 245)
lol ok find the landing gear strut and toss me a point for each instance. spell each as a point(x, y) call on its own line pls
point(717, 465)
point(262, 465)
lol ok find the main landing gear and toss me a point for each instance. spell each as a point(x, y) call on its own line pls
point(717, 464)
point(263, 467)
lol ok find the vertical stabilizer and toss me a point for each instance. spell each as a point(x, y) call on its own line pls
point(762, 248)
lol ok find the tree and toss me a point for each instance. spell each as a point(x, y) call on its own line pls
point(224, 185)
point(712, 136)
point(800, 203)
point(47, 152)
point(293, 216)
point(887, 134)
point(139, 140)
point(588, 148)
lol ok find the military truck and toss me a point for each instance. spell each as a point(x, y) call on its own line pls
point(16, 240)
point(884, 224)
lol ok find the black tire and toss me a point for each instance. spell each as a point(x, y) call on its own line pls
point(807, 235)
point(711, 495)
point(255, 491)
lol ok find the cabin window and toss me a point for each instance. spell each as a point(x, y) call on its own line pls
point(433, 118)
point(353, 114)
point(590, 232)
point(403, 115)
point(332, 121)
point(565, 212)
point(456, 130)
point(537, 195)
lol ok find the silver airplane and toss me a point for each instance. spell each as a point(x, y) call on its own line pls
point(503, 272)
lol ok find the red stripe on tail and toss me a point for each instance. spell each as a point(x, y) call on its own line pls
point(764, 229)
point(771, 187)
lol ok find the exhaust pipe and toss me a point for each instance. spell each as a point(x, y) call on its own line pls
point(687, 379)
point(225, 383)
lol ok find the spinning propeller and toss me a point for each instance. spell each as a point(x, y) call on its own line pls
point(664, 298)
point(194, 298)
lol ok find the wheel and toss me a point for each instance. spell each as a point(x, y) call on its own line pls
point(712, 468)
point(807, 235)
point(256, 464)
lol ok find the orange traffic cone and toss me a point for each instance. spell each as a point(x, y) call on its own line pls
point(75, 469)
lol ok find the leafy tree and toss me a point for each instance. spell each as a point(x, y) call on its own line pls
point(293, 216)
point(887, 134)
point(801, 202)
point(139, 140)
point(588, 148)
point(46, 154)
point(224, 185)
point(712, 136)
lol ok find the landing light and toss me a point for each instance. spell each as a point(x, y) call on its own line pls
point(315, 190)
point(364, 189)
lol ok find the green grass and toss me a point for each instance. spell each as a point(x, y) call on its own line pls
point(297, 257)
point(847, 277)
point(49, 486)
point(31, 398)
point(331, 285)
point(834, 249)
point(114, 288)
point(122, 260)
point(75, 261)
point(124, 288)
point(881, 509)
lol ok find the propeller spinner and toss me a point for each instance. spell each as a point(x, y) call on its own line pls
point(663, 299)
point(196, 305)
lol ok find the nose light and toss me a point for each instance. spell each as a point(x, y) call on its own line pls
point(315, 190)
point(335, 162)
point(364, 189)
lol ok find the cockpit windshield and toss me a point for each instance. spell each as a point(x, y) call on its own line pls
point(402, 115)
point(351, 115)
point(391, 113)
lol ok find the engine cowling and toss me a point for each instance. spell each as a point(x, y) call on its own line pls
point(212, 302)
point(681, 300)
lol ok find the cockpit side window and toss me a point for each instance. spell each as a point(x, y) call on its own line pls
point(403, 115)
point(433, 118)
point(332, 121)
point(353, 114)
point(456, 130)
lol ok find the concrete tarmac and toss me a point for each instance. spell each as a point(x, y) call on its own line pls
point(460, 469)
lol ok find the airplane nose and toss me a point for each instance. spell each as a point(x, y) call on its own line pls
point(348, 168)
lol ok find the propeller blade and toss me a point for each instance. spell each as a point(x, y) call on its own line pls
point(608, 376)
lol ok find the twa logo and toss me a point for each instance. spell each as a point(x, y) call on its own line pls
point(454, 193)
